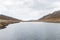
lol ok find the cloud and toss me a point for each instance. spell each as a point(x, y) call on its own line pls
point(28, 9)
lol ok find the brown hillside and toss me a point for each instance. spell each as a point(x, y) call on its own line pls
point(6, 20)
point(7, 17)
point(54, 17)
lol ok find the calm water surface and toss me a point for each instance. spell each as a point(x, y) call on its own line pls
point(31, 31)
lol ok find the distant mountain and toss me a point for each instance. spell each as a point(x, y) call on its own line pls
point(6, 20)
point(53, 17)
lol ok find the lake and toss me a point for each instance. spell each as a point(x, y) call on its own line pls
point(31, 31)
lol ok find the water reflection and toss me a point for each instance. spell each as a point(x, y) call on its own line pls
point(31, 31)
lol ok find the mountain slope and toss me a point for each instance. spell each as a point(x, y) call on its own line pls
point(6, 20)
point(54, 17)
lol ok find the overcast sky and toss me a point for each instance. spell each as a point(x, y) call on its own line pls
point(28, 9)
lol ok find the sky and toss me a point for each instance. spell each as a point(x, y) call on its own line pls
point(28, 9)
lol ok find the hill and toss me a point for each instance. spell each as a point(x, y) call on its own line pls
point(53, 17)
point(6, 20)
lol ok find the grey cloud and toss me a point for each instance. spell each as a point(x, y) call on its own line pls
point(22, 7)
point(42, 6)
point(53, 0)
